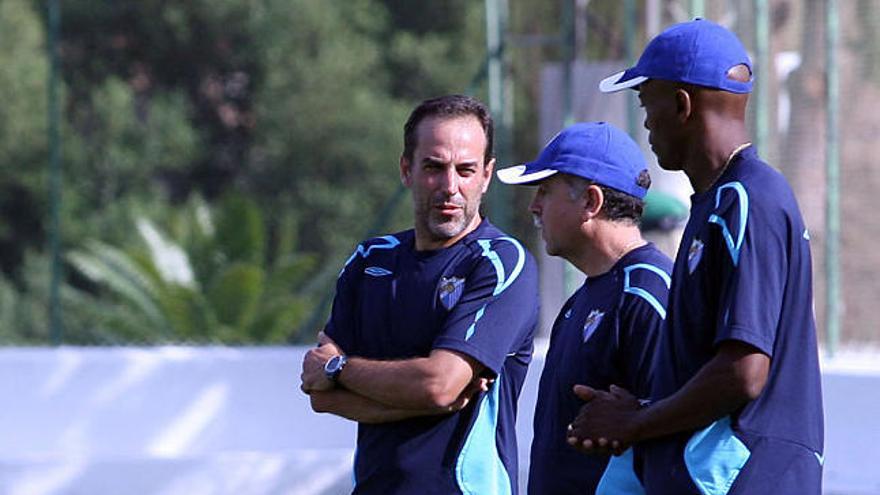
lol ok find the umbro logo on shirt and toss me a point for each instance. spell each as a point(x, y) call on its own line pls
point(376, 271)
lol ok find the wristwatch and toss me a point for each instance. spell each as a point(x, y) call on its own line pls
point(333, 366)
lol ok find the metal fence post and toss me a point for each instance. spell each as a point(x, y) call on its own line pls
point(500, 198)
point(56, 332)
point(832, 214)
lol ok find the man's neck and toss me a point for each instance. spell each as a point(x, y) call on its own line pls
point(609, 242)
point(713, 153)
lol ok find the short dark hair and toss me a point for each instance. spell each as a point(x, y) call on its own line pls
point(448, 106)
point(618, 206)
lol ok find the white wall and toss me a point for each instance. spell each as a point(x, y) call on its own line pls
point(232, 420)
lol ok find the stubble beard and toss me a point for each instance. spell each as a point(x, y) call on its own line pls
point(442, 227)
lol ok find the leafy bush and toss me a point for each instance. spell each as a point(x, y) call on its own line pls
point(205, 275)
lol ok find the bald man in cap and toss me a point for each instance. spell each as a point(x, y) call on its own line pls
point(737, 403)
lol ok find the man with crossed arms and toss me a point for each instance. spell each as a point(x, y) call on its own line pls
point(431, 330)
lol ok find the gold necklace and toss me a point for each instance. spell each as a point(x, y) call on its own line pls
point(733, 154)
point(730, 157)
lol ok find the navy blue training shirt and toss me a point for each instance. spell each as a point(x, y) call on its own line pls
point(743, 273)
point(478, 297)
point(605, 334)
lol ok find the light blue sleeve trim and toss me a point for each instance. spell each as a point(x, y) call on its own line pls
point(743, 201)
point(470, 330)
point(714, 457)
point(640, 292)
point(479, 470)
point(503, 282)
point(391, 242)
point(619, 477)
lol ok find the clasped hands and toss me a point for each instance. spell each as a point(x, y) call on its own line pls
point(606, 423)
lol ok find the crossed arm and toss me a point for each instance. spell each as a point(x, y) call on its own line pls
point(373, 391)
point(611, 421)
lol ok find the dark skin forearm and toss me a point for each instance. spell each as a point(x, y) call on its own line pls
point(611, 421)
point(726, 383)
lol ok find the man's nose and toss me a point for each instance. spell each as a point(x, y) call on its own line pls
point(450, 181)
point(535, 206)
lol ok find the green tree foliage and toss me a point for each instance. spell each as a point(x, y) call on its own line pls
point(298, 105)
point(23, 73)
point(24, 319)
point(204, 277)
point(114, 153)
point(197, 50)
point(434, 47)
point(328, 131)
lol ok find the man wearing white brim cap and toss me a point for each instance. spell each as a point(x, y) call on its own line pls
point(590, 183)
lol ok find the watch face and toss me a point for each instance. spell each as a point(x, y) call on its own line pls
point(333, 364)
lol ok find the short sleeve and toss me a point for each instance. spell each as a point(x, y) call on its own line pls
point(751, 237)
point(642, 319)
point(498, 310)
point(341, 325)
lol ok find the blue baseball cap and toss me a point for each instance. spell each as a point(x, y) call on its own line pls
point(596, 151)
point(697, 52)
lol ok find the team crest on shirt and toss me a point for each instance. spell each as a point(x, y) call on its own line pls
point(591, 323)
point(450, 291)
point(695, 253)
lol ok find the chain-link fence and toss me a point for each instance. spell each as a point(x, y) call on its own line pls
point(219, 163)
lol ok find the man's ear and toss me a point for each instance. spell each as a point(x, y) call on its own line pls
point(405, 171)
point(683, 104)
point(487, 174)
point(594, 199)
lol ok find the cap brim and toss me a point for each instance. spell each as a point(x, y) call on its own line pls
point(517, 175)
point(613, 83)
